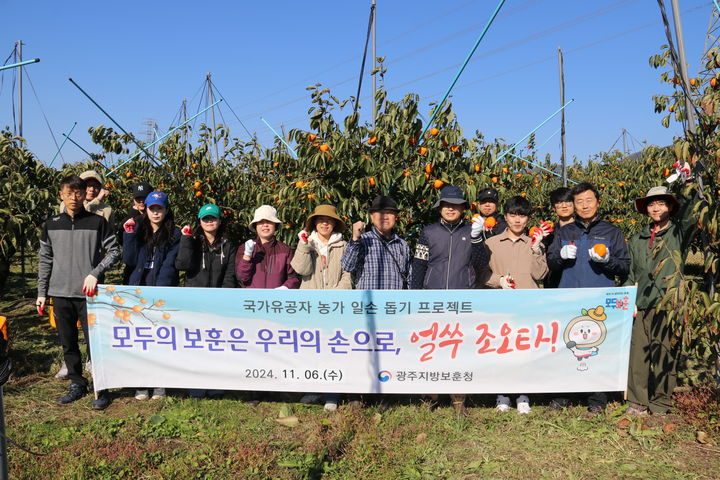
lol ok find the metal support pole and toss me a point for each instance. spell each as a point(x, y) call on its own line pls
point(20, 64)
point(20, 96)
point(374, 55)
point(563, 160)
point(3, 443)
point(212, 114)
point(689, 107)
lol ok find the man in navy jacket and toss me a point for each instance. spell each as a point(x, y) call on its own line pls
point(573, 253)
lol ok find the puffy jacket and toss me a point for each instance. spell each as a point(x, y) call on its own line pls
point(269, 266)
point(206, 267)
point(163, 272)
point(581, 271)
point(445, 257)
point(307, 264)
point(675, 238)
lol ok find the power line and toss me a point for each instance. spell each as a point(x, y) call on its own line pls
point(561, 26)
point(47, 122)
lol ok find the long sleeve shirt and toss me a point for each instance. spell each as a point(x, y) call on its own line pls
point(376, 266)
point(514, 257)
point(71, 248)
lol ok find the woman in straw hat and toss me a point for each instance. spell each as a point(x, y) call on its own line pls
point(320, 248)
point(317, 261)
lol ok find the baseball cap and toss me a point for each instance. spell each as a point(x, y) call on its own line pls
point(209, 210)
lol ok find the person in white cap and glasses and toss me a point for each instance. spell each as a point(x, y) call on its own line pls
point(264, 261)
point(653, 349)
point(94, 195)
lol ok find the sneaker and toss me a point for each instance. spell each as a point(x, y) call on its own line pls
point(636, 410)
point(594, 410)
point(558, 403)
point(158, 393)
point(523, 404)
point(75, 392)
point(62, 374)
point(141, 395)
point(309, 398)
point(102, 401)
point(502, 403)
point(330, 406)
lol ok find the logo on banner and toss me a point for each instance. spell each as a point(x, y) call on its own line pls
point(584, 333)
point(384, 376)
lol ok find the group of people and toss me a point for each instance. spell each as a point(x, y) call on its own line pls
point(491, 250)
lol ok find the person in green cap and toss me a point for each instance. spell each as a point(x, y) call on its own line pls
point(206, 255)
point(208, 258)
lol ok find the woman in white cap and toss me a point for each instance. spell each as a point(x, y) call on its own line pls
point(317, 261)
point(264, 262)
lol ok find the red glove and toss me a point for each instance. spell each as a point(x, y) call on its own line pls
point(546, 227)
point(303, 236)
point(186, 230)
point(129, 226)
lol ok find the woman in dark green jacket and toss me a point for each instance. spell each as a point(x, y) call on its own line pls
point(653, 348)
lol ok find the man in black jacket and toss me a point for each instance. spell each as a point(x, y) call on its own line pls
point(448, 254)
point(495, 223)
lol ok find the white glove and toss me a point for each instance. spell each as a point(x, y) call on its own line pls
point(478, 225)
point(40, 305)
point(597, 258)
point(681, 171)
point(281, 287)
point(568, 252)
point(537, 238)
point(507, 282)
point(635, 312)
point(249, 247)
point(90, 285)
point(303, 236)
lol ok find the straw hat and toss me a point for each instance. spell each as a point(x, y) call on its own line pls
point(265, 212)
point(328, 211)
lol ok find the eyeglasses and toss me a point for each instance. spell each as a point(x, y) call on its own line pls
point(74, 194)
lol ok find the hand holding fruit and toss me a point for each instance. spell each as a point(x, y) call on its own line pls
point(358, 228)
point(186, 230)
point(599, 253)
point(681, 171)
point(249, 248)
point(507, 282)
point(129, 226)
point(478, 225)
point(303, 236)
point(490, 222)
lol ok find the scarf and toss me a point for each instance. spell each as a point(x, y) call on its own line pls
point(321, 247)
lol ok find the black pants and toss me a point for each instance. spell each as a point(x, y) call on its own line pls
point(67, 313)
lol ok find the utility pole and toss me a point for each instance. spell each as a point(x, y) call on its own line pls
point(212, 114)
point(563, 161)
point(689, 107)
point(20, 96)
point(374, 55)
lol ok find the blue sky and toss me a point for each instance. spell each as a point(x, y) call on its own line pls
point(139, 60)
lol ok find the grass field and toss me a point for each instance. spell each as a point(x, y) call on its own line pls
point(395, 437)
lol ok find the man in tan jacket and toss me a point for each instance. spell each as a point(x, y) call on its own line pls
point(516, 261)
